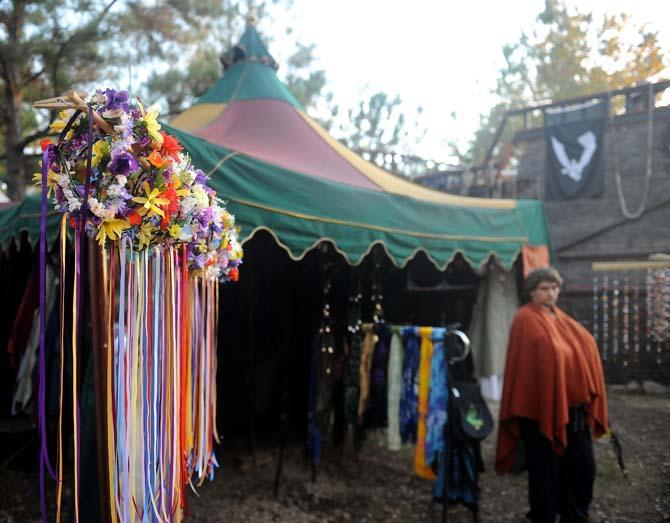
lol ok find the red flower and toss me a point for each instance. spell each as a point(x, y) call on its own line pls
point(171, 146)
point(45, 143)
point(234, 274)
point(165, 221)
point(134, 218)
point(170, 194)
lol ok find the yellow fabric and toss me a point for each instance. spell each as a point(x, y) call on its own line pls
point(364, 369)
point(197, 116)
point(420, 466)
point(393, 183)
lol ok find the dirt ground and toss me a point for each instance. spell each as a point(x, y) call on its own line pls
point(381, 486)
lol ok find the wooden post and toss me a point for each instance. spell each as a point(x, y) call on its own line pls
point(99, 352)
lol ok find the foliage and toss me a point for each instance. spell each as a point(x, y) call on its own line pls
point(569, 54)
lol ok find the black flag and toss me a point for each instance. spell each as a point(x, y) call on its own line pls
point(574, 151)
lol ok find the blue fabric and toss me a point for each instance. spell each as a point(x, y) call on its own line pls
point(409, 399)
point(437, 399)
point(376, 411)
point(313, 434)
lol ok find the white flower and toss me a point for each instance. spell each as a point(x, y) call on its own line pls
point(201, 197)
point(187, 205)
point(121, 180)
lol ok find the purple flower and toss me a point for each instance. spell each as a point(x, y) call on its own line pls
point(200, 177)
point(198, 261)
point(124, 163)
point(117, 100)
point(206, 216)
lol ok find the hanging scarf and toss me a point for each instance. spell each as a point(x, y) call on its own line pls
point(375, 415)
point(437, 401)
point(409, 399)
point(364, 369)
point(394, 389)
point(420, 465)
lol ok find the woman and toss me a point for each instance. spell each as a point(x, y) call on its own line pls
point(553, 400)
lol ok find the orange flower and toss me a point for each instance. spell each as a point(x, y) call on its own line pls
point(134, 218)
point(45, 143)
point(156, 159)
point(171, 146)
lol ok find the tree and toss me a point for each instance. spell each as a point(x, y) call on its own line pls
point(179, 86)
point(569, 54)
point(378, 129)
point(49, 46)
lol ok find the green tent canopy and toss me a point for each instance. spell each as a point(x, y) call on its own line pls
point(278, 170)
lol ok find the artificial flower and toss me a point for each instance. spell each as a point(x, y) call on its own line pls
point(152, 202)
point(123, 164)
point(112, 228)
point(171, 146)
point(100, 151)
point(156, 159)
point(153, 127)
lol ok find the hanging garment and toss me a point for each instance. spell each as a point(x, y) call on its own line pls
point(497, 302)
point(437, 399)
point(365, 367)
point(23, 391)
point(352, 379)
point(409, 398)
point(376, 409)
point(534, 257)
point(319, 396)
point(421, 467)
point(552, 364)
point(394, 389)
point(23, 323)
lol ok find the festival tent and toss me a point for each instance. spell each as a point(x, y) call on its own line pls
point(279, 170)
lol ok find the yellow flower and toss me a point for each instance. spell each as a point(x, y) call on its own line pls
point(100, 150)
point(174, 230)
point(151, 204)
point(112, 228)
point(52, 181)
point(63, 117)
point(146, 234)
point(153, 127)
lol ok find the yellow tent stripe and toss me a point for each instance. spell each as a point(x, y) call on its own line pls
point(197, 117)
point(395, 184)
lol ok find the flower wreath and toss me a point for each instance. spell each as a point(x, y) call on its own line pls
point(142, 186)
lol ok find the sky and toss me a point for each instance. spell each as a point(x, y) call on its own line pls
point(441, 55)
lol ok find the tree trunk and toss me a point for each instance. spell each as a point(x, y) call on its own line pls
point(16, 176)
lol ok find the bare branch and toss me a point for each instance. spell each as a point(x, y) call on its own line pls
point(35, 136)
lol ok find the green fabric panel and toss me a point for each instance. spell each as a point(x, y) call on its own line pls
point(253, 45)
point(248, 80)
point(302, 210)
point(243, 179)
point(25, 217)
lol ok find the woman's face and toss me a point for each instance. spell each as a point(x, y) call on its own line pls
point(546, 293)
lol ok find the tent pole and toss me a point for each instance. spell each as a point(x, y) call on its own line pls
point(251, 371)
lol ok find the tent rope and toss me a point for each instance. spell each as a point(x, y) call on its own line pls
point(649, 159)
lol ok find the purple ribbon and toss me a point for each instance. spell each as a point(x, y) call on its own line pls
point(44, 453)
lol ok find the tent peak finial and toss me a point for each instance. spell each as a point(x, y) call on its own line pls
point(252, 15)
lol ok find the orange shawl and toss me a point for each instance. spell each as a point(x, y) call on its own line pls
point(552, 364)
